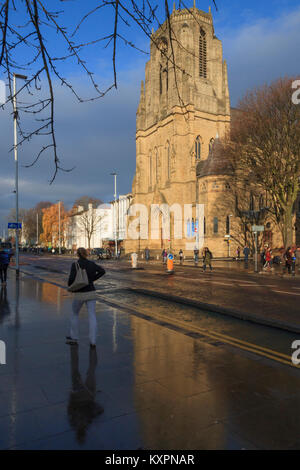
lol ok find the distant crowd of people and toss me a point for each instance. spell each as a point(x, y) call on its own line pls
point(206, 256)
point(288, 258)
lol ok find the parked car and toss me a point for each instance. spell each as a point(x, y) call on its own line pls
point(99, 252)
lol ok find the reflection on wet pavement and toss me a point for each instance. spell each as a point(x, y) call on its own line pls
point(146, 387)
point(82, 408)
point(258, 334)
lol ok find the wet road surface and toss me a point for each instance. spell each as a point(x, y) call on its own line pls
point(150, 385)
point(127, 287)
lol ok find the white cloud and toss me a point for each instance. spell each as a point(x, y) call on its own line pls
point(262, 51)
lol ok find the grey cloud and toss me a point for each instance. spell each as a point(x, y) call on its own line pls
point(95, 138)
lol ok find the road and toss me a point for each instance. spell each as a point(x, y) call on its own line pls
point(147, 292)
point(171, 375)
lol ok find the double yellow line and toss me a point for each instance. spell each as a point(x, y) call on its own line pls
point(246, 346)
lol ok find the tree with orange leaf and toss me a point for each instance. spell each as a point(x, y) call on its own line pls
point(50, 223)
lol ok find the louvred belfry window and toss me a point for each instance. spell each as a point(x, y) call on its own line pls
point(202, 54)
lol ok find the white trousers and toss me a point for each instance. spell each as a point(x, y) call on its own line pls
point(91, 307)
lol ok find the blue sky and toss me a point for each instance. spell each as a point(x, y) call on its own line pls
point(260, 41)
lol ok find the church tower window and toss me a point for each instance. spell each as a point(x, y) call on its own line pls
point(198, 148)
point(216, 225)
point(227, 225)
point(150, 170)
point(202, 54)
point(160, 79)
point(168, 161)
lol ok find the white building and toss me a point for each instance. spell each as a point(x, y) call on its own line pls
point(120, 211)
point(90, 228)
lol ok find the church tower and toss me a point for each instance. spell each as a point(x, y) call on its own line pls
point(184, 105)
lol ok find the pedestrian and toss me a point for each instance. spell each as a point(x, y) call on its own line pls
point(181, 256)
point(268, 258)
point(207, 257)
point(147, 254)
point(4, 304)
point(262, 258)
point(288, 260)
point(246, 253)
point(5, 255)
point(297, 254)
point(294, 259)
point(238, 253)
point(196, 255)
point(164, 256)
point(85, 295)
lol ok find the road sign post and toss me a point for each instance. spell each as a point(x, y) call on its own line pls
point(256, 229)
point(14, 225)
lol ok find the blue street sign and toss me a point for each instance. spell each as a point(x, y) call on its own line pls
point(170, 256)
point(14, 225)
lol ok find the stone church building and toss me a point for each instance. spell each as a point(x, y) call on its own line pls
point(183, 114)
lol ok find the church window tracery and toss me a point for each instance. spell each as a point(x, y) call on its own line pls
point(202, 54)
point(150, 170)
point(216, 225)
point(198, 148)
point(156, 166)
point(168, 161)
point(227, 225)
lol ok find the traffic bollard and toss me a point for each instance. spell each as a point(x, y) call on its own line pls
point(170, 264)
point(134, 258)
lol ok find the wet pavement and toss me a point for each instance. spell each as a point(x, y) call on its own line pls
point(262, 298)
point(148, 385)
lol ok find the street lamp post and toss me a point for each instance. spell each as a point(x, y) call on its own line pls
point(37, 229)
point(116, 215)
point(23, 77)
point(229, 235)
point(59, 241)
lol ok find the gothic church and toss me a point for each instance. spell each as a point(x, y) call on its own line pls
point(183, 114)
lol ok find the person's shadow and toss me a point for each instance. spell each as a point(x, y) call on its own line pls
point(4, 304)
point(82, 408)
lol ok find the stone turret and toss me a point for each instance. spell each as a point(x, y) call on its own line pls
point(190, 71)
point(141, 111)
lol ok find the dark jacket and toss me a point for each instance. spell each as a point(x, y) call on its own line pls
point(93, 270)
point(5, 255)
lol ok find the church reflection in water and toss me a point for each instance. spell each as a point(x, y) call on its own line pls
point(188, 395)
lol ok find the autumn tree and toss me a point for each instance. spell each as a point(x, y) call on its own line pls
point(33, 223)
point(265, 146)
point(50, 224)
